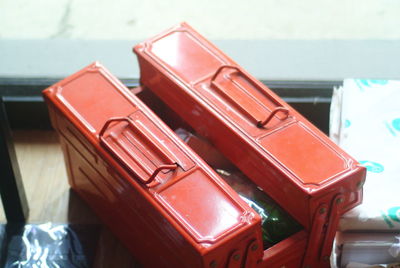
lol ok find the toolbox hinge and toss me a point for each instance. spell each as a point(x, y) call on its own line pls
point(252, 254)
point(235, 259)
point(323, 230)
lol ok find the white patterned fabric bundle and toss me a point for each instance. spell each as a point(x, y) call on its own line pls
point(365, 122)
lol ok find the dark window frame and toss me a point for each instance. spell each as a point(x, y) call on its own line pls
point(26, 109)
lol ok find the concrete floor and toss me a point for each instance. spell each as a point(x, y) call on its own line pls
point(233, 19)
point(272, 39)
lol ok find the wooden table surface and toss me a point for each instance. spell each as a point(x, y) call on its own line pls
point(49, 196)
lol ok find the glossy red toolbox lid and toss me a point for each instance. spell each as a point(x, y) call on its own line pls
point(305, 155)
point(138, 145)
point(203, 207)
point(248, 106)
point(271, 143)
point(176, 49)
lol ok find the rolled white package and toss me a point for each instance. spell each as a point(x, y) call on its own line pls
point(365, 122)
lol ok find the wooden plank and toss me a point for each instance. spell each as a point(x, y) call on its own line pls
point(11, 188)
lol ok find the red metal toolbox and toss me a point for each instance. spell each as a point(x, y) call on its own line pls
point(158, 196)
point(271, 143)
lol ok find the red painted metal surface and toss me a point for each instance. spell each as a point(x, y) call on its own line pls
point(276, 147)
point(162, 200)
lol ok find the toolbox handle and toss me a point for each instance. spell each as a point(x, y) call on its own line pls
point(172, 166)
point(260, 123)
point(284, 110)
